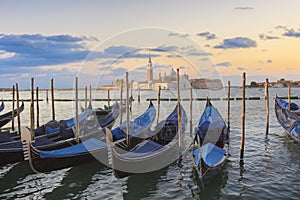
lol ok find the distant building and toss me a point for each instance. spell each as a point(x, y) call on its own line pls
point(149, 71)
point(166, 82)
point(204, 83)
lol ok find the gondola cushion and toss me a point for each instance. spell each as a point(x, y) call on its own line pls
point(211, 154)
point(88, 145)
point(143, 150)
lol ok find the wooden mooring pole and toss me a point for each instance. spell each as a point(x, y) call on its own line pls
point(90, 94)
point(191, 109)
point(76, 110)
point(121, 102)
point(131, 97)
point(52, 99)
point(37, 108)
point(13, 108)
point(32, 110)
point(289, 96)
point(18, 110)
point(47, 99)
point(158, 104)
point(267, 105)
point(243, 117)
point(127, 111)
point(228, 107)
point(108, 99)
point(179, 108)
point(85, 98)
point(139, 95)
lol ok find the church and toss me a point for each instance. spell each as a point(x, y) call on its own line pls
point(166, 82)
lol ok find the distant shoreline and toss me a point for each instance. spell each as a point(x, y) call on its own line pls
point(113, 88)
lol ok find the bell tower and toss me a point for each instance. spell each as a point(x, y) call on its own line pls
point(149, 70)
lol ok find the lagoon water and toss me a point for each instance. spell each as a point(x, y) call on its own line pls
point(271, 167)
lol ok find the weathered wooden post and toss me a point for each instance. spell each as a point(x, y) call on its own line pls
point(13, 108)
point(127, 110)
point(90, 95)
point(289, 96)
point(108, 99)
point(52, 96)
point(158, 104)
point(18, 110)
point(191, 110)
point(47, 99)
point(139, 95)
point(179, 108)
point(76, 110)
point(121, 102)
point(228, 108)
point(32, 110)
point(85, 98)
point(267, 105)
point(131, 97)
point(243, 117)
point(37, 108)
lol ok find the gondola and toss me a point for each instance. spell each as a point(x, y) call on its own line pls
point(90, 148)
point(54, 126)
point(287, 119)
point(293, 106)
point(12, 150)
point(161, 148)
point(7, 117)
point(2, 106)
point(211, 135)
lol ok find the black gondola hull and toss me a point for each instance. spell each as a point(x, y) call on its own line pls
point(56, 163)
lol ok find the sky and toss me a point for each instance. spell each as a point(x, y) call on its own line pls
point(99, 41)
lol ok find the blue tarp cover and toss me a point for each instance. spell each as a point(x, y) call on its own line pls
point(284, 104)
point(70, 122)
point(143, 121)
point(88, 145)
point(143, 150)
point(2, 106)
point(211, 154)
point(287, 119)
point(211, 119)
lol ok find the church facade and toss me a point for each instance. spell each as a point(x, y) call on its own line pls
point(166, 82)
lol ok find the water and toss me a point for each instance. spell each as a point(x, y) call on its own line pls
point(271, 167)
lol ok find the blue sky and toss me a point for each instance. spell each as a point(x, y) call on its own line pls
point(46, 39)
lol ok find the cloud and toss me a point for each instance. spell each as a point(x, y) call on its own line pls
point(207, 35)
point(162, 66)
point(37, 50)
point(280, 27)
point(113, 50)
point(241, 69)
point(268, 37)
point(243, 8)
point(174, 56)
point(204, 59)
point(111, 62)
point(267, 61)
point(178, 35)
point(237, 42)
point(164, 48)
point(292, 33)
point(224, 64)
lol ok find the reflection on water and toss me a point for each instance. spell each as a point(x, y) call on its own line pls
point(270, 170)
point(209, 188)
point(140, 186)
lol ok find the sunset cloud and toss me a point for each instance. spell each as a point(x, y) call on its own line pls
point(237, 42)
